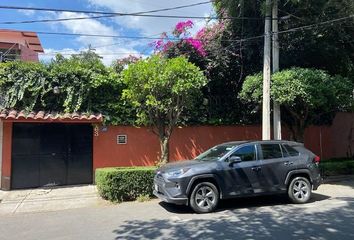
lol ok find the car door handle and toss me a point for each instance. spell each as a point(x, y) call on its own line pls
point(288, 163)
point(256, 169)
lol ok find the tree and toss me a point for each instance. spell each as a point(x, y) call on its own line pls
point(212, 50)
point(162, 89)
point(307, 96)
point(314, 47)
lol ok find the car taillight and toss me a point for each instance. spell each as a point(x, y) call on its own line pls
point(316, 159)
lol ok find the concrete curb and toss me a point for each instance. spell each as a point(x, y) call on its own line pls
point(339, 178)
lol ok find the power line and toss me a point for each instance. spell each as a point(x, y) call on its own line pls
point(316, 24)
point(130, 37)
point(104, 14)
point(99, 12)
point(177, 39)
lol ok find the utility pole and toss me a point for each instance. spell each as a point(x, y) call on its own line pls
point(275, 53)
point(266, 73)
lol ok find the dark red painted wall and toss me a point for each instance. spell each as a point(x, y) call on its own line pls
point(143, 147)
point(6, 155)
point(187, 142)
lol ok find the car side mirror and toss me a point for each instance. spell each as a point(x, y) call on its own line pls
point(234, 159)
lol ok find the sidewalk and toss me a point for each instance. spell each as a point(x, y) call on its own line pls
point(49, 199)
point(339, 178)
point(71, 197)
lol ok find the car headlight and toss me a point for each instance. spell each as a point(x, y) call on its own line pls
point(177, 173)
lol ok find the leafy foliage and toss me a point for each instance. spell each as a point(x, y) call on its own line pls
point(328, 47)
point(211, 50)
point(79, 83)
point(162, 89)
point(307, 95)
point(315, 47)
point(23, 85)
point(125, 184)
point(334, 167)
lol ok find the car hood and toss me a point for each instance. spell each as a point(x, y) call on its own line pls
point(182, 164)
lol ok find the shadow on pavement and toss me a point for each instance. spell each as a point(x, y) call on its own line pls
point(277, 222)
point(239, 203)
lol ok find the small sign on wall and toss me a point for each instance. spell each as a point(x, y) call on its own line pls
point(122, 139)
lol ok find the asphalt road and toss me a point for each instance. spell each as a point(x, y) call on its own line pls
point(330, 215)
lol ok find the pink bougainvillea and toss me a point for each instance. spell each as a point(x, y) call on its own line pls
point(197, 45)
point(181, 35)
point(200, 34)
point(181, 27)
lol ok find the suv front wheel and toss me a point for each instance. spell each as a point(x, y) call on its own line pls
point(299, 190)
point(204, 197)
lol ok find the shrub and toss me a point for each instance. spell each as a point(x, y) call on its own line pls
point(337, 167)
point(143, 198)
point(124, 184)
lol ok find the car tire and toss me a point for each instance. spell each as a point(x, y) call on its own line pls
point(299, 190)
point(204, 197)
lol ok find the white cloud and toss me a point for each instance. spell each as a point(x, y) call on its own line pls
point(107, 47)
point(113, 48)
point(49, 53)
point(148, 25)
point(27, 12)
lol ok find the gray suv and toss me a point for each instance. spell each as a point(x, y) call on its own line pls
point(235, 169)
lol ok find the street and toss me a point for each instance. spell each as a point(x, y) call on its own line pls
point(330, 215)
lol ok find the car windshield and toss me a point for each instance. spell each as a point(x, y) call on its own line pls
point(215, 153)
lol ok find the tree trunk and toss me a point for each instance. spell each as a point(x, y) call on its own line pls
point(299, 132)
point(297, 126)
point(165, 151)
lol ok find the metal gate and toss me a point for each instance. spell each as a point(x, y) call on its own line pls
point(51, 154)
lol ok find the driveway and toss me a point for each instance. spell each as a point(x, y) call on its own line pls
point(330, 215)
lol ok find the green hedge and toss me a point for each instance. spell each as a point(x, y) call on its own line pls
point(124, 184)
point(337, 167)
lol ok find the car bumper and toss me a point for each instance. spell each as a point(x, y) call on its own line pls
point(170, 190)
point(317, 182)
point(165, 198)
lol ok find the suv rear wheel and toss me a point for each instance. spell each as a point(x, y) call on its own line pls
point(299, 190)
point(204, 197)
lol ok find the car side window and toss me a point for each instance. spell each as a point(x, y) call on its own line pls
point(292, 152)
point(285, 152)
point(246, 153)
point(271, 151)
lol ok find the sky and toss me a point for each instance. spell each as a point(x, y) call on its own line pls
point(109, 48)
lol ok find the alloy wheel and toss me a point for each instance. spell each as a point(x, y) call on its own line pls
point(300, 190)
point(205, 197)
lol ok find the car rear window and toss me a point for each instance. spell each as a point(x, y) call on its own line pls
point(292, 152)
point(271, 151)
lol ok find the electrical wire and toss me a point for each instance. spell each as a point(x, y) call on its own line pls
point(104, 14)
point(99, 12)
point(177, 39)
point(130, 37)
point(316, 24)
